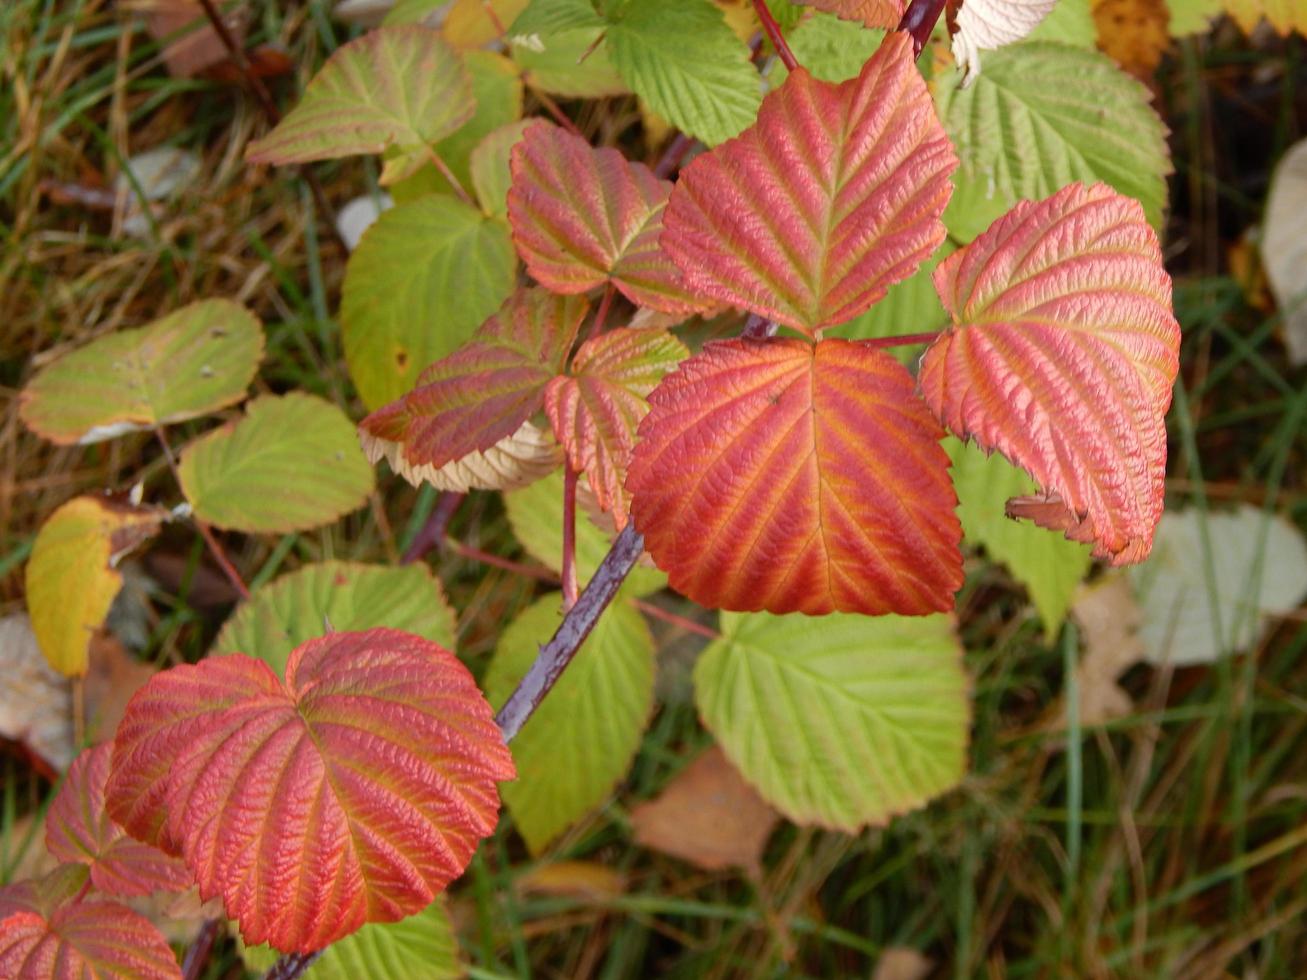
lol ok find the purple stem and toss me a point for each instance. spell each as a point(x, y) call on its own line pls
point(198, 955)
point(291, 965)
point(434, 530)
point(919, 20)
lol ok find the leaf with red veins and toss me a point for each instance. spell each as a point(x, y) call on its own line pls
point(78, 829)
point(582, 217)
point(831, 197)
point(485, 390)
point(352, 793)
point(873, 13)
point(595, 411)
point(779, 475)
point(1062, 357)
point(46, 931)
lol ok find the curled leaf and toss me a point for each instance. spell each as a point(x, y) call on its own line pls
point(1062, 356)
point(516, 460)
point(873, 13)
point(72, 576)
point(989, 24)
point(273, 794)
point(831, 197)
point(790, 477)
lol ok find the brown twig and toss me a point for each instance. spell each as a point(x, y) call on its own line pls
point(774, 34)
point(264, 98)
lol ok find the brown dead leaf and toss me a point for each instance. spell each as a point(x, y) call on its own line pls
point(587, 880)
point(35, 700)
point(1109, 618)
point(114, 675)
point(902, 963)
point(191, 45)
point(708, 815)
point(1133, 33)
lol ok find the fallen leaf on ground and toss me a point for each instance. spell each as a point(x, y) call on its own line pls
point(902, 963)
point(1108, 618)
point(587, 880)
point(1133, 33)
point(1284, 247)
point(35, 701)
point(707, 815)
point(148, 178)
point(113, 676)
point(359, 215)
point(190, 43)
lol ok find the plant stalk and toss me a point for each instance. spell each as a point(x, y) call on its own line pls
point(774, 34)
point(569, 538)
point(919, 20)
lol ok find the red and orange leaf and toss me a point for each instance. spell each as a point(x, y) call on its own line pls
point(1062, 358)
point(873, 13)
point(831, 197)
point(78, 829)
point(352, 793)
point(583, 216)
point(596, 410)
point(789, 477)
point(47, 932)
point(485, 390)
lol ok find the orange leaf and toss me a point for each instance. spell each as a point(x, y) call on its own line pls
point(831, 197)
point(873, 13)
point(1062, 357)
point(789, 477)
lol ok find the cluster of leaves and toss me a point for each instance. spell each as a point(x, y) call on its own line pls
point(766, 475)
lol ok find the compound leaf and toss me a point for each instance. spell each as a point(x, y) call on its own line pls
point(274, 795)
point(596, 409)
point(192, 362)
point(47, 932)
point(581, 739)
point(337, 595)
point(790, 477)
point(489, 387)
point(843, 722)
point(1048, 565)
point(583, 216)
point(1062, 357)
point(79, 830)
point(1033, 121)
point(291, 463)
point(423, 278)
point(72, 577)
point(687, 64)
point(400, 87)
point(830, 198)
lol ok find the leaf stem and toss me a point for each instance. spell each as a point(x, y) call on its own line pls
point(671, 618)
point(507, 564)
point(202, 526)
point(433, 532)
point(903, 339)
point(671, 159)
point(569, 538)
point(439, 163)
point(571, 633)
point(601, 315)
point(197, 957)
point(777, 39)
point(559, 115)
point(919, 21)
point(291, 966)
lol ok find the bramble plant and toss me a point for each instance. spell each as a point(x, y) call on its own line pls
point(332, 765)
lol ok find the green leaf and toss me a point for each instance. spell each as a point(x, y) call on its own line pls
point(840, 721)
point(1070, 21)
point(423, 278)
point(582, 738)
point(192, 362)
point(491, 176)
point(1192, 16)
point(832, 49)
point(686, 63)
point(497, 87)
point(401, 87)
point(1044, 114)
point(1045, 562)
point(910, 306)
point(573, 64)
point(337, 595)
point(545, 17)
point(293, 462)
point(535, 513)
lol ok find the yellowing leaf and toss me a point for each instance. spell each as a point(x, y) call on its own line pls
point(291, 463)
point(516, 460)
point(475, 23)
point(72, 578)
point(401, 87)
point(1108, 618)
point(1133, 33)
point(192, 362)
point(1283, 15)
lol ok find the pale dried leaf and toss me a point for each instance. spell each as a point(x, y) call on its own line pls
point(1108, 618)
point(192, 45)
point(515, 461)
point(35, 701)
point(1284, 247)
point(586, 880)
point(984, 25)
point(359, 215)
point(902, 963)
point(707, 815)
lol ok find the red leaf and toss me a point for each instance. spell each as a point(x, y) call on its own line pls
point(78, 829)
point(583, 216)
point(873, 13)
point(789, 477)
point(1062, 358)
point(595, 411)
point(832, 196)
point(47, 933)
point(353, 793)
point(486, 389)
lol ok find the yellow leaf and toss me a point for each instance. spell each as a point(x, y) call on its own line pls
point(475, 23)
point(72, 578)
point(1133, 33)
point(1283, 15)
